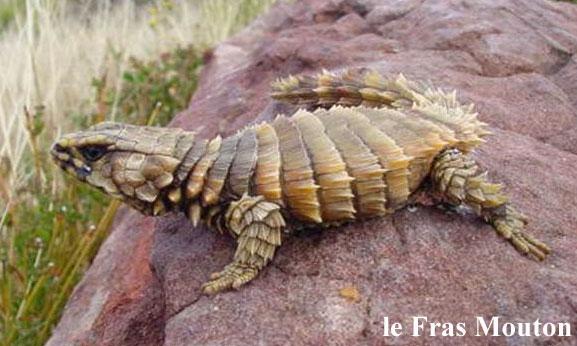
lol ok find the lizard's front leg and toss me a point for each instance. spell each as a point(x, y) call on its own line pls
point(258, 226)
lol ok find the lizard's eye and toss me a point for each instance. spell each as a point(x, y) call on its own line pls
point(93, 153)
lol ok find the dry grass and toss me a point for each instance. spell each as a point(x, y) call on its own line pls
point(64, 64)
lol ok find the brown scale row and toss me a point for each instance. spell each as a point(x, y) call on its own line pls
point(327, 166)
point(338, 163)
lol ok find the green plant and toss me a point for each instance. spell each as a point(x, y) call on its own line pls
point(47, 240)
point(49, 236)
point(8, 11)
point(158, 87)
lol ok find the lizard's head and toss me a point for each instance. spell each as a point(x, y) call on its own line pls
point(134, 163)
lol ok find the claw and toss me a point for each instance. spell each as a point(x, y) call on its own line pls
point(215, 276)
point(536, 252)
point(536, 247)
point(511, 228)
point(216, 286)
point(233, 276)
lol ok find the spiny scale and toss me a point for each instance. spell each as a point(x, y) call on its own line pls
point(342, 161)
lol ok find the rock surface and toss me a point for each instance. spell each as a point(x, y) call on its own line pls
point(515, 59)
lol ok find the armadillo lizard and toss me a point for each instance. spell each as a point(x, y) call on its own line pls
point(363, 148)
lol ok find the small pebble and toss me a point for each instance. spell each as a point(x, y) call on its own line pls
point(350, 293)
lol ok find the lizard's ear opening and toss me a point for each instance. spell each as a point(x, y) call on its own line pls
point(93, 152)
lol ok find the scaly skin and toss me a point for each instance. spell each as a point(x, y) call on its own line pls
point(362, 150)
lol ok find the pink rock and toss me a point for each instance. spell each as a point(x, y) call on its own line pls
point(514, 59)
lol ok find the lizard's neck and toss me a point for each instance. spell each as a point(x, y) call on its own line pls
point(190, 182)
point(211, 174)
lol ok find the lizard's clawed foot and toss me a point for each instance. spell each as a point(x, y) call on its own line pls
point(233, 276)
point(511, 225)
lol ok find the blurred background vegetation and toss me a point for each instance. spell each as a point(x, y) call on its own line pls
point(66, 64)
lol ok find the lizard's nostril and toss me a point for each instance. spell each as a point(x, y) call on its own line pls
point(57, 148)
point(59, 153)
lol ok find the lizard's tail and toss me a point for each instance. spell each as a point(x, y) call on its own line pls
point(350, 88)
point(363, 87)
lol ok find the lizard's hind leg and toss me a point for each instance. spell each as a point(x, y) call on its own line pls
point(257, 225)
point(457, 179)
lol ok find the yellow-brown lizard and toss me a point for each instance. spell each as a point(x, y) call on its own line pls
point(365, 146)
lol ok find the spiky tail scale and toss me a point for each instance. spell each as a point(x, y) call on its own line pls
point(363, 87)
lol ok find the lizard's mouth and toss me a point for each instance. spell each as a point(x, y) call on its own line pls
point(64, 158)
